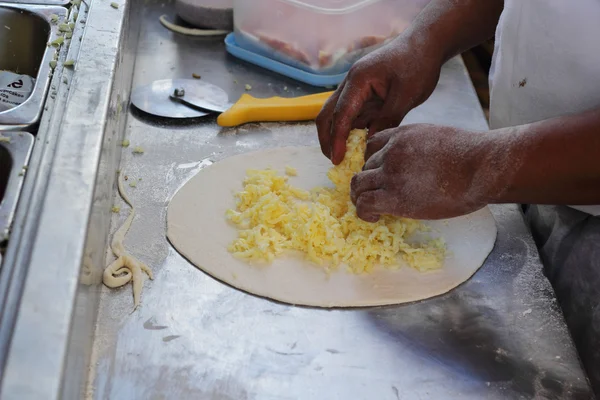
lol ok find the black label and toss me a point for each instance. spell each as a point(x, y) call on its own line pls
point(18, 84)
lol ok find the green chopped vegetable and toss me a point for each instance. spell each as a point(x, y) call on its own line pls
point(75, 15)
point(58, 41)
point(69, 63)
point(76, 2)
point(196, 76)
point(64, 28)
point(138, 150)
point(125, 143)
point(114, 5)
point(4, 139)
point(24, 167)
point(53, 17)
point(133, 184)
point(53, 64)
point(21, 173)
point(116, 209)
point(71, 25)
point(69, 35)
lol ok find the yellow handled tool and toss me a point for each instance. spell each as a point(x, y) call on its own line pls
point(251, 109)
point(192, 98)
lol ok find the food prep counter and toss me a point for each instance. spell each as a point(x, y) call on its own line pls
point(500, 335)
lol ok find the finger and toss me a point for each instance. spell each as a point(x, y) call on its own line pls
point(362, 122)
point(370, 205)
point(377, 142)
point(364, 181)
point(323, 122)
point(392, 110)
point(364, 119)
point(375, 161)
point(348, 107)
point(370, 110)
point(381, 124)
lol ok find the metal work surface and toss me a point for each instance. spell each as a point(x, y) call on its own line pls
point(499, 336)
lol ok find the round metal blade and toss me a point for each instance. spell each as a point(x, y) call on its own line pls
point(154, 98)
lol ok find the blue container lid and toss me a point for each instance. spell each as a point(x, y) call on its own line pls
point(312, 79)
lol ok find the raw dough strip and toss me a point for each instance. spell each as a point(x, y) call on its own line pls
point(190, 31)
point(125, 268)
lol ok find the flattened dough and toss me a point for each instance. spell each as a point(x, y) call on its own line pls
point(198, 229)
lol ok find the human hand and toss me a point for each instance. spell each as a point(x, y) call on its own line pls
point(379, 90)
point(425, 172)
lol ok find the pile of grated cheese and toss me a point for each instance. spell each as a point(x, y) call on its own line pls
point(273, 217)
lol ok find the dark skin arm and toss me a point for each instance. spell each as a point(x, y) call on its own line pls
point(556, 161)
point(431, 172)
point(384, 86)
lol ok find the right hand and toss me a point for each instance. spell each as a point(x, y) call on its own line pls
point(379, 90)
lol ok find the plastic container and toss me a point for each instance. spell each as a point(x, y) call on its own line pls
point(320, 36)
point(322, 80)
point(208, 14)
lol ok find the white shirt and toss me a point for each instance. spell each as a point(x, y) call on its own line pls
point(546, 62)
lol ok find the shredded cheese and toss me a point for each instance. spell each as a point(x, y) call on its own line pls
point(291, 171)
point(273, 217)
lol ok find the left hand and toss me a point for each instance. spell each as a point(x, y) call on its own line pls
point(424, 172)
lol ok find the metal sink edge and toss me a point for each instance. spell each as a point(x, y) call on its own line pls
point(47, 306)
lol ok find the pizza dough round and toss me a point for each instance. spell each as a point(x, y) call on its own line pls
point(198, 229)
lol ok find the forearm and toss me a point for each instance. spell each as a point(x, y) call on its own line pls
point(450, 27)
point(556, 161)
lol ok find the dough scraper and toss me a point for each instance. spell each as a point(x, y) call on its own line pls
point(192, 98)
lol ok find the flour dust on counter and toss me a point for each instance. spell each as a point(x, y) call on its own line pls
point(198, 229)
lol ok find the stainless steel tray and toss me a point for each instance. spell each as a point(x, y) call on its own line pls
point(40, 2)
point(23, 48)
point(14, 162)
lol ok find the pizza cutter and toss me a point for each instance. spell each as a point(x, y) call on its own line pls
point(187, 98)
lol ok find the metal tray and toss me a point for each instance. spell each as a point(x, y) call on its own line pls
point(40, 2)
point(14, 160)
point(23, 48)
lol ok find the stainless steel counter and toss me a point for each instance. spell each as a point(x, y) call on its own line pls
point(499, 336)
